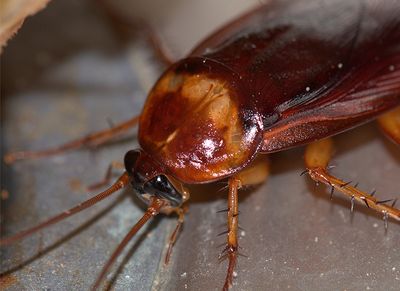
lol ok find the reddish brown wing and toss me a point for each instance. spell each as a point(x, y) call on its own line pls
point(313, 68)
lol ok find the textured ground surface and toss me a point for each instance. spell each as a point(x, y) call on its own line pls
point(62, 79)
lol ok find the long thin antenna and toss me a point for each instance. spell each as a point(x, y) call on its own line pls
point(152, 211)
point(119, 184)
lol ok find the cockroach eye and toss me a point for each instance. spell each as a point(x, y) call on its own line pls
point(130, 160)
point(161, 187)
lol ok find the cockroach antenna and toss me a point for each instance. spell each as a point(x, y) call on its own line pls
point(119, 184)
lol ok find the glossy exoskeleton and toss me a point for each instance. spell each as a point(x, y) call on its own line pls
point(286, 74)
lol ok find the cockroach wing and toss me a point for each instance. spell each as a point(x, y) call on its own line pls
point(313, 68)
point(367, 84)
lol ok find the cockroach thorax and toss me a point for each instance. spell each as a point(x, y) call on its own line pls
point(192, 123)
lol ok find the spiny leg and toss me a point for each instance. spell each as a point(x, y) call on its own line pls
point(93, 139)
point(390, 124)
point(317, 157)
point(256, 173)
point(233, 224)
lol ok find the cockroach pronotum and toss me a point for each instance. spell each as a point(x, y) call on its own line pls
point(286, 74)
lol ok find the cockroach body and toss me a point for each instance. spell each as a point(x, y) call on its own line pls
point(286, 74)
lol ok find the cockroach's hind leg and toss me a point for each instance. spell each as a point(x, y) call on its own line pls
point(107, 177)
point(390, 124)
point(317, 157)
point(172, 239)
point(94, 139)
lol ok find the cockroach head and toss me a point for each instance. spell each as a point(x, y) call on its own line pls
point(148, 180)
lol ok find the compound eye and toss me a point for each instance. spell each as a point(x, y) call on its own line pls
point(161, 187)
point(130, 160)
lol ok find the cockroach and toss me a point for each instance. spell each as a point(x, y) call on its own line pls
point(286, 74)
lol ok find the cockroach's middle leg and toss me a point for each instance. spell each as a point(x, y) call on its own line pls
point(390, 124)
point(317, 157)
point(233, 224)
point(256, 173)
point(94, 139)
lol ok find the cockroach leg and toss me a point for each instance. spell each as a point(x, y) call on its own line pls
point(159, 48)
point(256, 173)
point(181, 213)
point(390, 124)
point(107, 177)
point(94, 139)
point(317, 157)
point(123, 26)
point(233, 220)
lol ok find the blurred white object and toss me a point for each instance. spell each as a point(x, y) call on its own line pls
point(13, 14)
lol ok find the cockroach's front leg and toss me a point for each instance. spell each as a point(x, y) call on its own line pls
point(256, 173)
point(317, 157)
point(390, 124)
point(94, 139)
point(172, 239)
